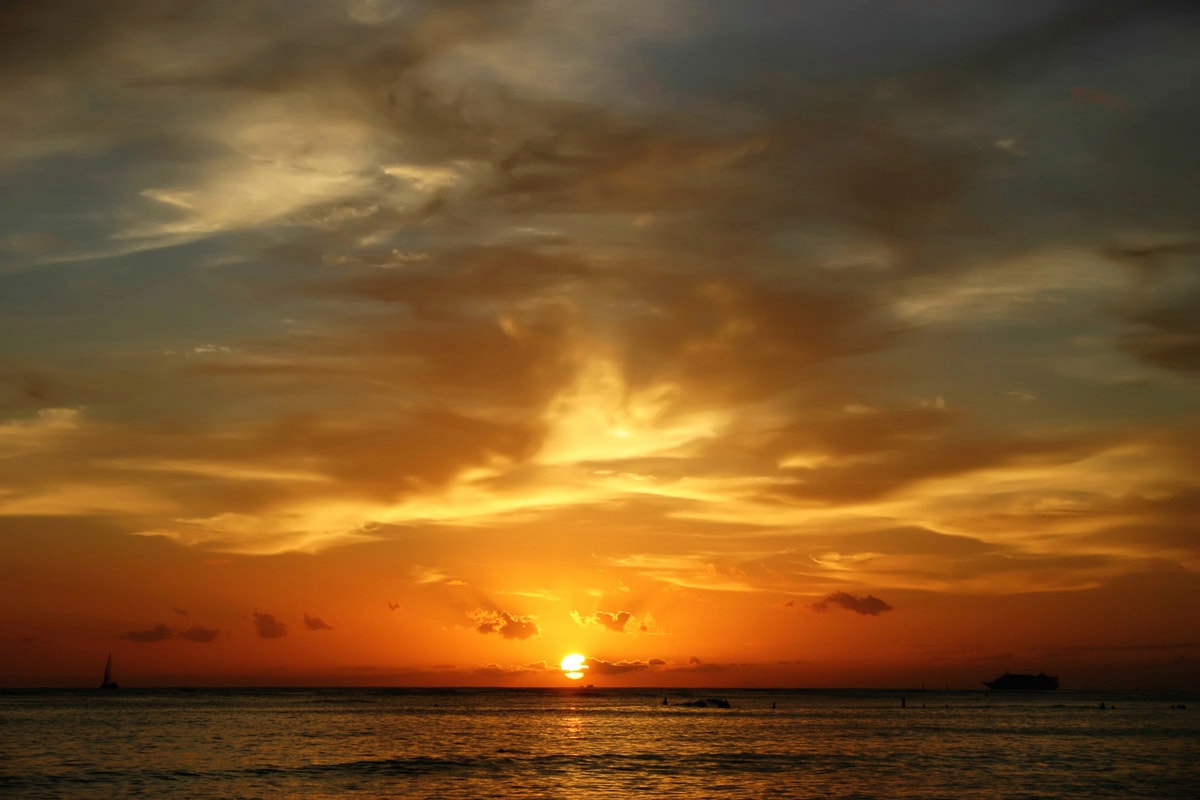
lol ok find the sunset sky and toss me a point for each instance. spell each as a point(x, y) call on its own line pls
point(401, 342)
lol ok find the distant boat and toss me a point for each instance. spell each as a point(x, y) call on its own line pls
point(108, 682)
point(1015, 680)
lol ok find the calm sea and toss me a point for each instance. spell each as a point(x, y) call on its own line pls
point(576, 744)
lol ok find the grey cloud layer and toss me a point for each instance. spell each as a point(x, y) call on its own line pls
point(389, 257)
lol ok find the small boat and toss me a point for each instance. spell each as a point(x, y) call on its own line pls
point(108, 682)
point(1019, 681)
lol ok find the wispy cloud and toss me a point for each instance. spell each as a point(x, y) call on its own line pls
point(316, 624)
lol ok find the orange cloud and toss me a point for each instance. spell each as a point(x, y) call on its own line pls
point(509, 626)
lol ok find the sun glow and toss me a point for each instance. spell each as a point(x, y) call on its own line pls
point(574, 665)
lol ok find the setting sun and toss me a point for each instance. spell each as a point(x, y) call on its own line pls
point(574, 665)
point(794, 372)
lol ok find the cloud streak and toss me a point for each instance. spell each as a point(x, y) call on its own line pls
point(159, 633)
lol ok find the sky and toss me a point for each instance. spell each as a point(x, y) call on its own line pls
point(399, 342)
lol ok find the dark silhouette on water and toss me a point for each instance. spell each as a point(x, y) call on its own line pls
point(1018, 681)
point(711, 702)
point(108, 682)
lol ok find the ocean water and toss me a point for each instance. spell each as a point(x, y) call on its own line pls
point(603, 743)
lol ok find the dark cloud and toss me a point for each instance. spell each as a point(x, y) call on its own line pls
point(510, 626)
point(199, 634)
point(267, 627)
point(159, 633)
point(602, 667)
point(181, 612)
point(1167, 336)
point(75, 30)
point(694, 664)
point(905, 447)
point(1160, 327)
point(1126, 648)
point(316, 624)
point(868, 606)
point(1152, 260)
point(498, 671)
point(656, 662)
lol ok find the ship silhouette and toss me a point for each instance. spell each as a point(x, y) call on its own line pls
point(1023, 681)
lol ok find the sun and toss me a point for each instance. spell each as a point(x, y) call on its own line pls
point(574, 665)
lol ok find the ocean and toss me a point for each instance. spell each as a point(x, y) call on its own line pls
point(596, 743)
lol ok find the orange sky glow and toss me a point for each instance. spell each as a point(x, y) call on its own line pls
point(428, 343)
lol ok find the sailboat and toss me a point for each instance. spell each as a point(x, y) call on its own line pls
point(108, 682)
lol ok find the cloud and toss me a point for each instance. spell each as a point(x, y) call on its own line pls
point(268, 627)
point(158, 633)
point(510, 626)
point(602, 667)
point(426, 576)
point(316, 624)
point(694, 664)
point(616, 621)
point(504, 672)
point(609, 321)
point(181, 612)
point(867, 606)
point(199, 634)
point(683, 279)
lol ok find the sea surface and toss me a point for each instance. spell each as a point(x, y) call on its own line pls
point(601, 743)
